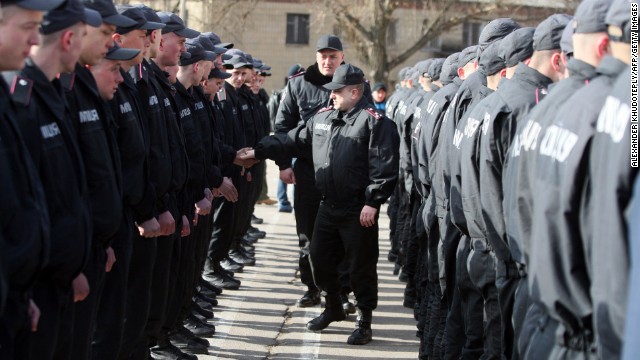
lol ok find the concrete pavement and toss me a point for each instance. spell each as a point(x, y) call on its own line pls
point(261, 321)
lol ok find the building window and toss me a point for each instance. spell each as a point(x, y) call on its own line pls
point(471, 33)
point(297, 29)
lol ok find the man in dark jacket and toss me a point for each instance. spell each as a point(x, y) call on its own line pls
point(303, 96)
point(34, 147)
point(355, 157)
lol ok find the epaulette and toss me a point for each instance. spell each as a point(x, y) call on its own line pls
point(325, 109)
point(21, 88)
point(296, 75)
point(67, 80)
point(374, 113)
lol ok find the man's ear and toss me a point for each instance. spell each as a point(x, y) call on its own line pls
point(65, 39)
point(117, 38)
point(556, 61)
point(604, 47)
point(503, 73)
point(461, 73)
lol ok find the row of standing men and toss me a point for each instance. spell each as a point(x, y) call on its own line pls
point(126, 207)
point(510, 220)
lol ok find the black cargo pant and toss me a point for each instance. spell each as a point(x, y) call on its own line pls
point(116, 294)
point(86, 311)
point(481, 265)
point(339, 236)
point(224, 217)
point(306, 202)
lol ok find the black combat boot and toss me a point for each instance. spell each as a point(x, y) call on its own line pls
point(332, 312)
point(362, 334)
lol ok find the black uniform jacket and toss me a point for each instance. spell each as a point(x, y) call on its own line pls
point(96, 131)
point(560, 276)
point(133, 139)
point(519, 167)
point(44, 122)
point(611, 178)
point(24, 219)
point(514, 100)
point(355, 155)
point(159, 157)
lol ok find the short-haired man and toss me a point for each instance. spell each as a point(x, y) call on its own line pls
point(355, 158)
point(24, 220)
point(302, 98)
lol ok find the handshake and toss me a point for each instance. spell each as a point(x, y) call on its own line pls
point(246, 157)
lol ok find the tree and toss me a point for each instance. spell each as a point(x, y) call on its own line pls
point(366, 23)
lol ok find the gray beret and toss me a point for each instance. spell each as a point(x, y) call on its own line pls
point(549, 31)
point(590, 15)
point(496, 30)
point(517, 46)
point(449, 69)
point(619, 15)
point(435, 69)
point(490, 59)
point(467, 55)
point(566, 41)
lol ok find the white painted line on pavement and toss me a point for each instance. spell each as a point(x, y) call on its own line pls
point(310, 339)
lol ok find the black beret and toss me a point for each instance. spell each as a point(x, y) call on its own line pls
point(549, 31)
point(517, 46)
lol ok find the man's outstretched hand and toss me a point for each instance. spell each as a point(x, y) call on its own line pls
point(245, 157)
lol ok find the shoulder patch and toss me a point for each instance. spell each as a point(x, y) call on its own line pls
point(374, 113)
point(325, 109)
point(21, 89)
point(296, 75)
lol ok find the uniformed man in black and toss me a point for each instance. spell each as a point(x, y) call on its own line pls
point(25, 226)
point(561, 275)
point(609, 190)
point(162, 320)
point(347, 140)
point(428, 321)
point(590, 30)
point(303, 96)
point(514, 100)
point(127, 285)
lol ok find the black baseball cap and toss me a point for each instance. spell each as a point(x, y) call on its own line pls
point(467, 55)
point(39, 5)
point(435, 68)
point(496, 30)
point(109, 13)
point(215, 73)
point(149, 13)
point(549, 31)
point(121, 54)
point(331, 42)
point(449, 69)
point(491, 60)
point(590, 16)
point(378, 86)
point(423, 67)
point(216, 40)
point(208, 45)
point(197, 52)
point(238, 59)
point(517, 46)
point(619, 20)
point(67, 14)
point(346, 74)
point(566, 41)
point(174, 24)
point(136, 14)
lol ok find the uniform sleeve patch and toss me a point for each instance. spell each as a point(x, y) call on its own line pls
point(21, 89)
point(374, 113)
point(296, 75)
point(325, 109)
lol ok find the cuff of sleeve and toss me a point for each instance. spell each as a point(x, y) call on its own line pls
point(373, 204)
